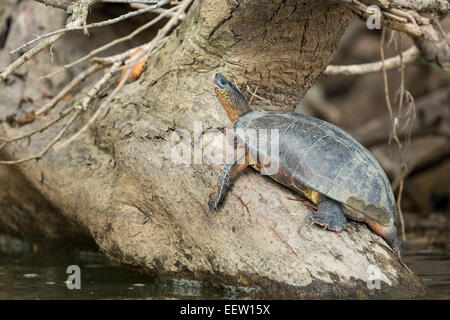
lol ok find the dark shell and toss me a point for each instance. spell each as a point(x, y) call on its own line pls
point(326, 159)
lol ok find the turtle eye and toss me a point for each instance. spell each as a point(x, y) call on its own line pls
point(223, 82)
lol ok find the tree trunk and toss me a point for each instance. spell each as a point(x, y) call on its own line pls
point(120, 185)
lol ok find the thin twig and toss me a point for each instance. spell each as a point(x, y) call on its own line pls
point(117, 62)
point(98, 85)
point(29, 134)
point(394, 122)
point(386, 87)
point(44, 151)
point(134, 59)
point(407, 56)
point(113, 43)
point(78, 108)
point(402, 78)
point(100, 109)
point(133, 1)
point(441, 30)
point(79, 18)
point(397, 18)
point(32, 52)
point(28, 55)
point(400, 212)
point(75, 81)
point(255, 95)
point(159, 10)
point(93, 25)
point(401, 149)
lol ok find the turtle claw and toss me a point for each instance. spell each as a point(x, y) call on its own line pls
point(326, 221)
point(212, 203)
point(216, 198)
point(211, 206)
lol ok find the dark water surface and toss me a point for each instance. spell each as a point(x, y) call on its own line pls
point(434, 271)
point(31, 271)
point(38, 271)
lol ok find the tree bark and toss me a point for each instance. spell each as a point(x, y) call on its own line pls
point(119, 185)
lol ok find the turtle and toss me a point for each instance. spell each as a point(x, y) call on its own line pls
point(317, 160)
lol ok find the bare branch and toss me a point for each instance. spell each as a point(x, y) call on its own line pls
point(27, 56)
point(441, 6)
point(41, 129)
point(255, 95)
point(147, 49)
point(159, 10)
point(61, 4)
point(116, 61)
point(100, 109)
point(433, 51)
point(93, 25)
point(133, 1)
point(113, 43)
point(32, 52)
point(77, 21)
point(44, 151)
point(78, 108)
point(396, 17)
point(96, 88)
point(64, 4)
point(407, 56)
point(75, 81)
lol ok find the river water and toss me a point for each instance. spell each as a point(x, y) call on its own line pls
point(33, 271)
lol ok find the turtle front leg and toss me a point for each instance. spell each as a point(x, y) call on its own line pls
point(227, 174)
point(329, 214)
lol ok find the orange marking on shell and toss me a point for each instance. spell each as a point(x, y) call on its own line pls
point(231, 111)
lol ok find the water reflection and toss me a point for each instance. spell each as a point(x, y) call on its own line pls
point(32, 271)
point(39, 272)
point(434, 270)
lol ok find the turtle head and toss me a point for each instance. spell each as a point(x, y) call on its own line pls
point(231, 99)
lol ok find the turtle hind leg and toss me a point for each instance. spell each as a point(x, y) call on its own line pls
point(329, 214)
point(389, 234)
